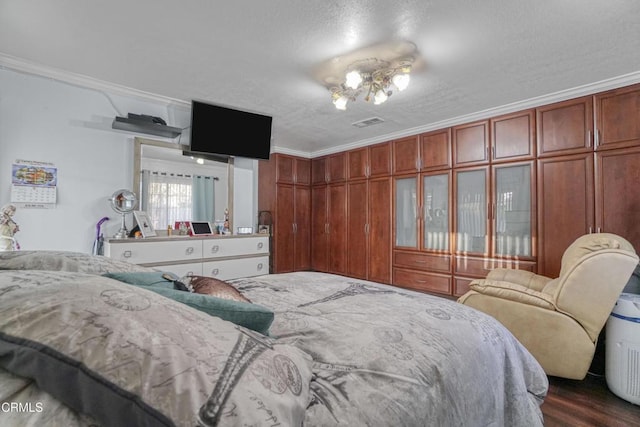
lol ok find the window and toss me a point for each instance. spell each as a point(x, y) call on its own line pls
point(168, 197)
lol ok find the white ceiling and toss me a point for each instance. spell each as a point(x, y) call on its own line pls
point(477, 57)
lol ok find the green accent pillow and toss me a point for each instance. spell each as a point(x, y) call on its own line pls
point(144, 278)
point(249, 315)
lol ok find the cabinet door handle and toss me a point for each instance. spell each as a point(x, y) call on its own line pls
point(215, 272)
point(596, 138)
point(189, 250)
point(260, 245)
point(260, 266)
point(126, 254)
point(589, 135)
point(215, 249)
point(590, 230)
point(598, 230)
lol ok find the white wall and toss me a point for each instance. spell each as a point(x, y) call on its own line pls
point(45, 120)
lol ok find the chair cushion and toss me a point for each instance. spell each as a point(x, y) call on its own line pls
point(512, 292)
point(519, 277)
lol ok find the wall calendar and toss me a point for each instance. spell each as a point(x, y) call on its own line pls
point(34, 184)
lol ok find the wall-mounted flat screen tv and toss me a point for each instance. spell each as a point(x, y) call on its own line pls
point(223, 131)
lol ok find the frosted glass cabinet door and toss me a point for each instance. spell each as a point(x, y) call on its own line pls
point(406, 212)
point(471, 211)
point(513, 210)
point(435, 200)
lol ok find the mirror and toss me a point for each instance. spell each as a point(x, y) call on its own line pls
point(167, 158)
point(123, 201)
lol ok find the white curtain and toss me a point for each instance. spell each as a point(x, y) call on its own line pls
point(204, 198)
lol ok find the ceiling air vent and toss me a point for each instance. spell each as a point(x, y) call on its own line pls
point(368, 122)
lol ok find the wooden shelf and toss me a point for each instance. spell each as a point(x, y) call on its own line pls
point(142, 126)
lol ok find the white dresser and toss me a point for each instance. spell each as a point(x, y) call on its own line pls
point(222, 257)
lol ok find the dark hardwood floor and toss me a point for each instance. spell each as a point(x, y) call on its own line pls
point(587, 403)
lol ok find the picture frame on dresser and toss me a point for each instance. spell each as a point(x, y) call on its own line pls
point(144, 223)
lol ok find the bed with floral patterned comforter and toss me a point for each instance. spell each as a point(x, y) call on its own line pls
point(78, 348)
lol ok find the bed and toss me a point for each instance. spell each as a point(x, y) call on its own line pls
point(82, 344)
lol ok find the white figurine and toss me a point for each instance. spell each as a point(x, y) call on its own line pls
point(8, 228)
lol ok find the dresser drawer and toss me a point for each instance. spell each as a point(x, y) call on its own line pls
point(422, 261)
point(219, 248)
point(426, 282)
point(234, 268)
point(156, 252)
point(181, 270)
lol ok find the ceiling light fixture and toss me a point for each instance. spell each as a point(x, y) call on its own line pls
point(373, 76)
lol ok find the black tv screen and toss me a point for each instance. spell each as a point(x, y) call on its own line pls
point(211, 126)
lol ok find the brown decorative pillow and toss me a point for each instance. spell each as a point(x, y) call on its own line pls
point(214, 287)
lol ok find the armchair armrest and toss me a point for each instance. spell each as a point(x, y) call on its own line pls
point(512, 292)
point(520, 277)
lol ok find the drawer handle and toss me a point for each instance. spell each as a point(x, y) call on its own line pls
point(189, 250)
point(215, 272)
point(126, 254)
point(260, 245)
point(260, 266)
point(215, 249)
point(417, 261)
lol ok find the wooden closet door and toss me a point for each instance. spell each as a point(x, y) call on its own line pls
point(617, 115)
point(284, 229)
point(337, 228)
point(302, 243)
point(405, 155)
point(617, 195)
point(380, 219)
point(565, 207)
point(357, 163)
point(319, 224)
point(380, 159)
point(357, 229)
point(513, 136)
point(471, 144)
point(565, 127)
point(435, 150)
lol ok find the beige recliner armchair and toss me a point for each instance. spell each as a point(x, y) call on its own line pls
point(559, 320)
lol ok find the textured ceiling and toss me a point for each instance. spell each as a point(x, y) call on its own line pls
point(263, 56)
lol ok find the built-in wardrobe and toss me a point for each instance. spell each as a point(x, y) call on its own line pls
point(434, 211)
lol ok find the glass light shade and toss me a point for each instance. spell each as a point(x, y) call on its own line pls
point(401, 81)
point(341, 102)
point(380, 97)
point(353, 79)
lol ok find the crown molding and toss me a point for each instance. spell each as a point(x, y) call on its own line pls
point(80, 80)
point(576, 92)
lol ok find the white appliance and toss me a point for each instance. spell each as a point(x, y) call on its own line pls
point(622, 352)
